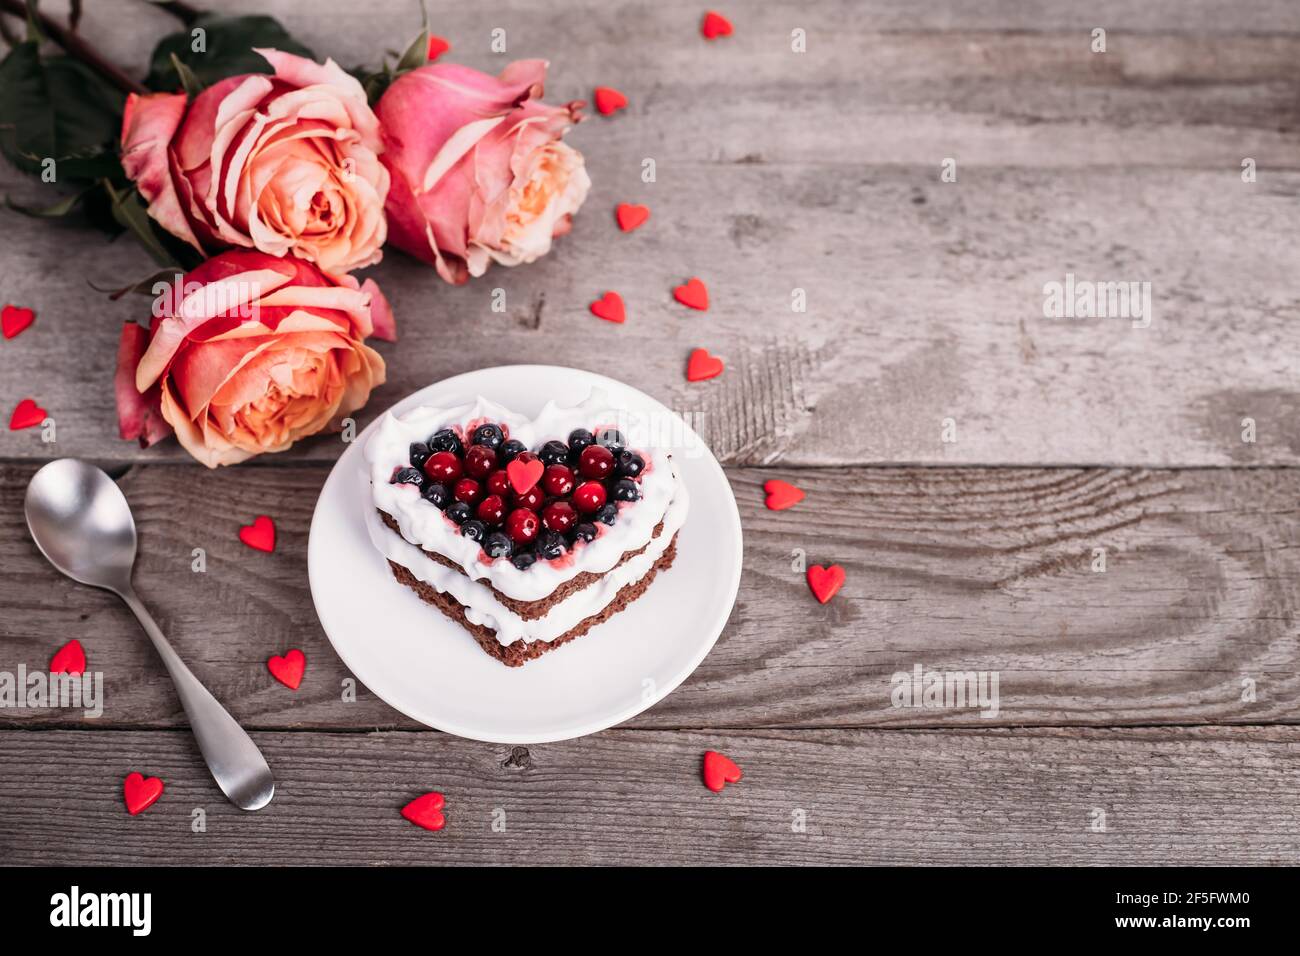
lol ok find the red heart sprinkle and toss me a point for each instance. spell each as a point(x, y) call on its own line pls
point(524, 474)
point(426, 811)
point(694, 294)
point(781, 494)
point(702, 365)
point(27, 414)
point(715, 25)
point(609, 307)
point(69, 659)
point(437, 47)
point(288, 670)
point(719, 771)
point(630, 215)
point(824, 582)
point(140, 793)
point(260, 534)
point(14, 319)
point(609, 99)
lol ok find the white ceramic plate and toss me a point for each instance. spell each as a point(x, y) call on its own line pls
point(429, 667)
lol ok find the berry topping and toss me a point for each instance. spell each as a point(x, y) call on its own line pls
point(522, 525)
point(579, 439)
point(474, 529)
point(492, 509)
point(420, 453)
point(629, 464)
point(530, 499)
point(436, 494)
point(524, 560)
point(408, 476)
point(497, 545)
point(510, 449)
point(589, 497)
point(553, 453)
point(625, 489)
point(584, 532)
point(490, 435)
point(551, 545)
point(596, 461)
point(612, 439)
point(467, 490)
point(498, 483)
point(444, 439)
point(607, 514)
point(480, 461)
point(459, 512)
point(443, 466)
point(559, 516)
point(557, 480)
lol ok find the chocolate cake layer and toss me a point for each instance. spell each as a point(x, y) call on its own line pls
point(520, 652)
point(529, 610)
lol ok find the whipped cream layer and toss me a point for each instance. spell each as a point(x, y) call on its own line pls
point(425, 525)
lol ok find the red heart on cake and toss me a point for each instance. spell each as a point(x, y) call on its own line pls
point(288, 670)
point(13, 320)
point(715, 25)
point(426, 811)
point(437, 47)
point(524, 474)
point(140, 792)
point(702, 365)
point(609, 99)
point(693, 294)
point(719, 771)
point(69, 659)
point(630, 216)
point(824, 582)
point(609, 307)
point(781, 494)
point(259, 535)
point(27, 414)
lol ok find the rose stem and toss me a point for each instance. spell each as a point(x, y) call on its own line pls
point(77, 47)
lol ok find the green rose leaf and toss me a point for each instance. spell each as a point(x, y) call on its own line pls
point(215, 47)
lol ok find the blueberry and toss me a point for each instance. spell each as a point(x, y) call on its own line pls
point(608, 513)
point(408, 476)
point(473, 529)
point(579, 439)
point(509, 450)
point(625, 489)
point(524, 560)
point(584, 532)
point(459, 512)
point(420, 453)
point(497, 545)
point(554, 453)
point(612, 439)
point(490, 435)
point(436, 494)
point(629, 464)
point(551, 544)
point(444, 439)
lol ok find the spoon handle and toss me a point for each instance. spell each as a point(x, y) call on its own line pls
point(236, 764)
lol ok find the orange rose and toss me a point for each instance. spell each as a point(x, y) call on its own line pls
point(254, 353)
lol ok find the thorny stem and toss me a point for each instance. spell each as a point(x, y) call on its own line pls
point(76, 46)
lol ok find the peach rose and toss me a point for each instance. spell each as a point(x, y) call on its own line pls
point(250, 354)
point(284, 163)
point(478, 170)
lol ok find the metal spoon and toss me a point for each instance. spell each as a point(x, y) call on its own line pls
point(82, 523)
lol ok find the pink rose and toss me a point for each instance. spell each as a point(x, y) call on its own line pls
point(250, 354)
point(478, 170)
point(282, 164)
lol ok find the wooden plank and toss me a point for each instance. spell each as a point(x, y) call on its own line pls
point(1190, 796)
point(951, 569)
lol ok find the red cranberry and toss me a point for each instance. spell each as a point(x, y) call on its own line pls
point(559, 516)
point(480, 461)
point(596, 461)
point(492, 510)
point(522, 526)
point(530, 499)
point(590, 495)
point(442, 467)
point(557, 480)
point(467, 490)
point(498, 483)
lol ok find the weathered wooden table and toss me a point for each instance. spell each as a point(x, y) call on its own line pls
point(1147, 711)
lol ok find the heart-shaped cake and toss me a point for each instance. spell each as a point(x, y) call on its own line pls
point(527, 532)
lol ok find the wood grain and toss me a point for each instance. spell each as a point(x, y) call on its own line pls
point(1195, 796)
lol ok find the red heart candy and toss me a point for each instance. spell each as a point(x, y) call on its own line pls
point(781, 495)
point(715, 25)
point(609, 99)
point(260, 534)
point(426, 811)
point(824, 582)
point(288, 670)
point(702, 365)
point(693, 294)
point(140, 793)
point(524, 474)
point(437, 47)
point(27, 414)
point(630, 216)
point(14, 319)
point(609, 307)
point(719, 771)
point(69, 659)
